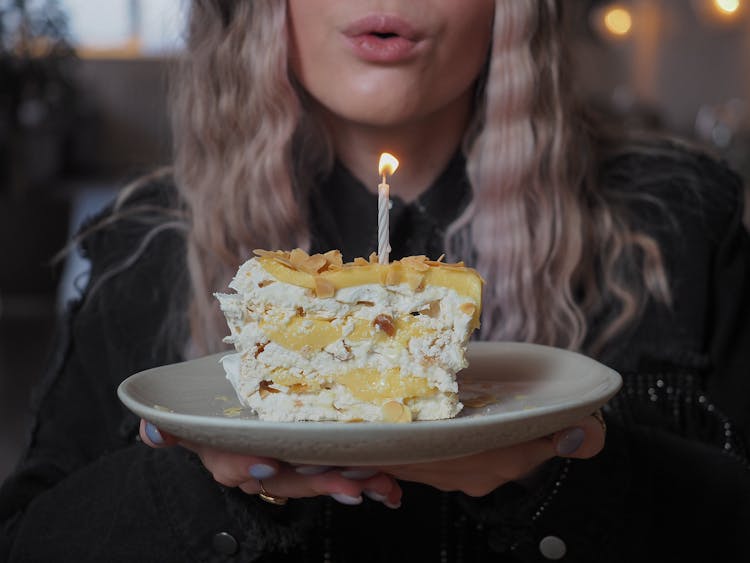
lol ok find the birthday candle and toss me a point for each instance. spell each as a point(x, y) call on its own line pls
point(388, 165)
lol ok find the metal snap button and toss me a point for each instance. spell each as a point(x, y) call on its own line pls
point(552, 548)
point(224, 543)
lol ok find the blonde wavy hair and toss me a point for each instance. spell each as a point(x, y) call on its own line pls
point(541, 230)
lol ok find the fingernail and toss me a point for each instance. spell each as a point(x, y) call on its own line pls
point(153, 434)
point(393, 505)
point(374, 495)
point(311, 469)
point(570, 441)
point(358, 473)
point(346, 499)
point(262, 471)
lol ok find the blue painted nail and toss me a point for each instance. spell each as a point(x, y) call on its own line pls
point(374, 495)
point(311, 469)
point(346, 499)
point(570, 441)
point(358, 473)
point(262, 471)
point(154, 435)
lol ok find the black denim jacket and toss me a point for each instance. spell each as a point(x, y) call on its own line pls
point(672, 483)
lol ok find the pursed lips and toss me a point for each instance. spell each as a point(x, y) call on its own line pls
point(382, 25)
point(382, 38)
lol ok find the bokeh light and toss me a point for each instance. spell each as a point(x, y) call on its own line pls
point(727, 7)
point(618, 21)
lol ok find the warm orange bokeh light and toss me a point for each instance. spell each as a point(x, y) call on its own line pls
point(618, 21)
point(727, 7)
point(388, 164)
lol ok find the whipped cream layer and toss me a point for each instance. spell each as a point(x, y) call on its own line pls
point(384, 341)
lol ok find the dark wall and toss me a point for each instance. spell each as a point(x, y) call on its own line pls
point(128, 100)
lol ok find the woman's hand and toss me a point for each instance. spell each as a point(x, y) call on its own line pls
point(474, 475)
point(479, 474)
point(282, 481)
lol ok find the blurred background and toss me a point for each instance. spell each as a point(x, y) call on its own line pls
point(83, 110)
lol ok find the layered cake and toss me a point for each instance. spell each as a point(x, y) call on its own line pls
point(319, 339)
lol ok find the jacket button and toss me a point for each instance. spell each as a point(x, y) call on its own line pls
point(224, 543)
point(552, 548)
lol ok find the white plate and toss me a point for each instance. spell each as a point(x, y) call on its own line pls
point(520, 392)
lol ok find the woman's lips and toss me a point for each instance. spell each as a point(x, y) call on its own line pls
point(382, 38)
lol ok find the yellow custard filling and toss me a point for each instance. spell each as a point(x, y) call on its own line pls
point(366, 384)
point(464, 281)
point(300, 332)
point(314, 334)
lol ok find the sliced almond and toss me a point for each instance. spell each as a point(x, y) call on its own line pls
point(433, 310)
point(285, 262)
point(418, 263)
point(468, 308)
point(324, 288)
point(265, 283)
point(416, 282)
point(313, 264)
point(373, 257)
point(385, 323)
point(393, 411)
point(343, 354)
point(406, 416)
point(359, 261)
point(334, 258)
point(265, 389)
point(418, 266)
point(270, 253)
point(392, 277)
point(259, 347)
point(298, 257)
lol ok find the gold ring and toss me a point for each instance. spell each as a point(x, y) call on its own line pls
point(600, 419)
point(269, 498)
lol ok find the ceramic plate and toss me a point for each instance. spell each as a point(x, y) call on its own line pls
point(513, 392)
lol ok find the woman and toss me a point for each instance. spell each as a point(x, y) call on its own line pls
point(631, 253)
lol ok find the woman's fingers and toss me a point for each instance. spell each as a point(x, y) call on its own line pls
point(232, 469)
point(154, 437)
point(290, 484)
point(479, 474)
point(346, 485)
point(583, 440)
point(475, 475)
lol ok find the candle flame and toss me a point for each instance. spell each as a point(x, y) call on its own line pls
point(388, 164)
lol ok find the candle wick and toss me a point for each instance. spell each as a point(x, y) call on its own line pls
point(384, 179)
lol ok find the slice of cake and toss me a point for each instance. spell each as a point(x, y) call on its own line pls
point(318, 339)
